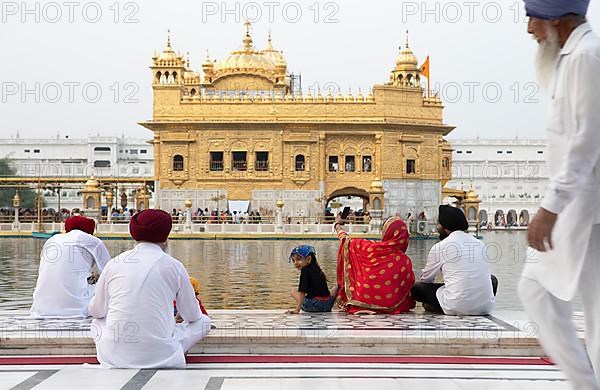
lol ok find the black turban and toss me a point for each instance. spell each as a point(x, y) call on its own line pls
point(452, 218)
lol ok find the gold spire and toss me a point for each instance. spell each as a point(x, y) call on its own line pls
point(187, 61)
point(248, 47)
point(169, 38)
point(407, 39)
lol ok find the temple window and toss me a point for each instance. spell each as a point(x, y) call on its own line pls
point(367, 164)
point(350, 165)
point(216, 161)
point(411, 166)
point(101, 164)
point(261, 163)
point(333, 164)
point(300, 160)
point(178, 162)
point(446, 163)
point(239, 161)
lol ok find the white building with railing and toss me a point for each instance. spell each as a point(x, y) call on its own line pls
point(64, 157)
point(509, 175)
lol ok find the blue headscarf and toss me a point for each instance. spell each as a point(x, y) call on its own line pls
point(554, 9)
point(303, 250)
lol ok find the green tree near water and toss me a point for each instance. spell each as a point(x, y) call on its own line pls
point(27, 195)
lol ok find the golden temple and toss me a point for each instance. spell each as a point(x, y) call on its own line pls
point(244, 130)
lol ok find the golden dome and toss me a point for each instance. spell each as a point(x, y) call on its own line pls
point(168, 54)
point(246, 60)
point(273, 54)
point(92, 184)
point(406, 59)
point(472, 196)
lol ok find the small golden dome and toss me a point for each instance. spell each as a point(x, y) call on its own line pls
point(273, 54)
point(472, 195)
point(168, 54)
point(188, 203)
point(376, 186)
point(406, 59)
point(91, 184)
point(279, 203)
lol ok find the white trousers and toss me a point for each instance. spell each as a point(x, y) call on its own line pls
point(556, 331)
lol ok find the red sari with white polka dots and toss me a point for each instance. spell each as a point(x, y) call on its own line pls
point(376, 276)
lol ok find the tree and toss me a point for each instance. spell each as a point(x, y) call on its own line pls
point(27, 195)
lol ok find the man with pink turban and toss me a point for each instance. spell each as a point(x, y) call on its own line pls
point(133, 306)
point(62, 289)
point(564, 237)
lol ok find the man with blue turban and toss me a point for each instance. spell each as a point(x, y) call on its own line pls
point(564, 237)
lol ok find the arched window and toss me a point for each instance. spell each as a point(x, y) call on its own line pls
point(446, 163)
point(472, 213)
point(193, 92)
point(158, 77)
point(376, 204)
point(300, 162)
point(178, 162)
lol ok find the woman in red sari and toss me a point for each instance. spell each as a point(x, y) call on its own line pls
point(375, 276)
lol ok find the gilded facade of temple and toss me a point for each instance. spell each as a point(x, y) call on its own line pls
point(243, 130)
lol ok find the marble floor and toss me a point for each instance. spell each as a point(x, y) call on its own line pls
point(289, 376)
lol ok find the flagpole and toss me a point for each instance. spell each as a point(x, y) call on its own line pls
point(428, 78)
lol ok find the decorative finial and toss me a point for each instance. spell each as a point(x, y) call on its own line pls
point(169, 38)
point(207, 56)
point(248, 25)
point(407, 39)
point(187, 61)
point(269, 39)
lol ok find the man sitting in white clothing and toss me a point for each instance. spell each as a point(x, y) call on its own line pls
point(133, 306)
point(62, 289)
point(468, 288)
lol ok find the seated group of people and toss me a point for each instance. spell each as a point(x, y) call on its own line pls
point(378, 277)
point(133, 299)
point(132, 296)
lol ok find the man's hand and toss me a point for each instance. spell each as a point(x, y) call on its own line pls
point(539, 232)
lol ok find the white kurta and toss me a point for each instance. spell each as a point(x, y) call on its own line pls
point(134, 315)
point(467, 288)
point(574, 165)
point(66, 262)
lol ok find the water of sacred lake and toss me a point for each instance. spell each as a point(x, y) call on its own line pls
point(253, 274)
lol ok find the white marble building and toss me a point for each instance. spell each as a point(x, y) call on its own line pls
point(78, 157)
point(509, 175)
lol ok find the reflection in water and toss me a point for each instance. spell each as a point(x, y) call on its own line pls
point(252, 274)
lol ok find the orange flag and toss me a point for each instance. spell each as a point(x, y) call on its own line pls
point(425, 68)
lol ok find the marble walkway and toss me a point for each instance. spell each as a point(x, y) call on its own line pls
point(263, 349)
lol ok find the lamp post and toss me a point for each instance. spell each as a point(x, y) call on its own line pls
point(188, 216)
point(279, 212)
point(16, 203)
point(109, 204)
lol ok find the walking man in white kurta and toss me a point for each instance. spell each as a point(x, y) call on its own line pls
point(564, 258)
point(62, 289)
point(133, 306)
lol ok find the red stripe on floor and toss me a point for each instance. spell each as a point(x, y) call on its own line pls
point(66, 360)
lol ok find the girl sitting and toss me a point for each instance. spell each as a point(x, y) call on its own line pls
point(312, 295)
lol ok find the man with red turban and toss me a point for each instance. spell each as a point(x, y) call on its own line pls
point(62, 289)
point(133, 306)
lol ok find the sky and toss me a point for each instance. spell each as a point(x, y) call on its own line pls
point(82, 68)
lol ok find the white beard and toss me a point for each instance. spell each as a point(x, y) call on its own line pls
point(546, 57)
